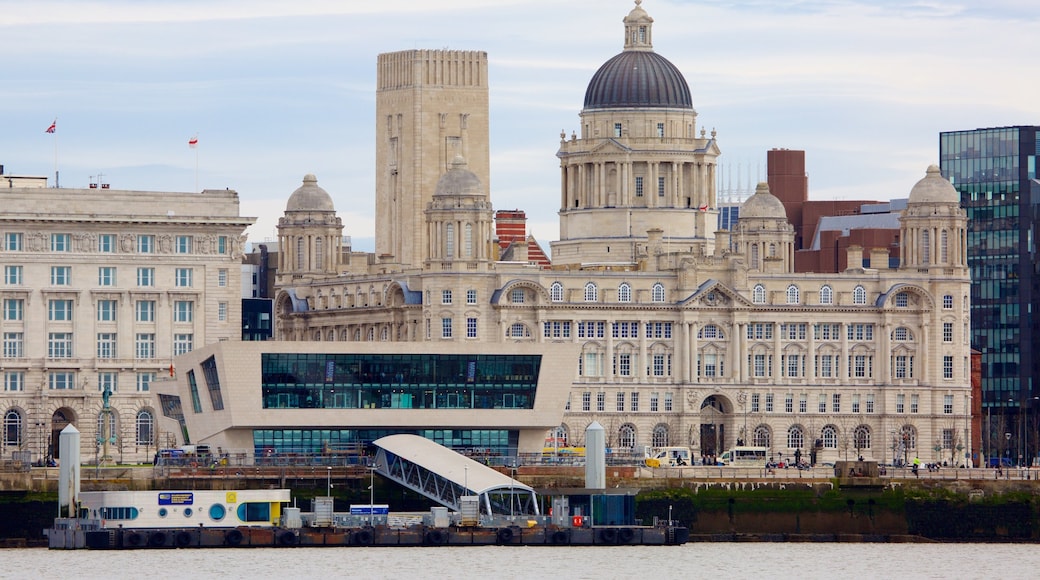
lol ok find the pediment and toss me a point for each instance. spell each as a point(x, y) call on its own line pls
point(715, 294)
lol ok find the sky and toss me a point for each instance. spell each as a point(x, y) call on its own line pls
point(275, 90)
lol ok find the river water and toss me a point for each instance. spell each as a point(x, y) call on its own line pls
point(699, 560)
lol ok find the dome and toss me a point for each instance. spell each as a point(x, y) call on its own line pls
point(934, 188)
point(763, 205)
point(458, 180)
point(638, 78)
point(310, 197)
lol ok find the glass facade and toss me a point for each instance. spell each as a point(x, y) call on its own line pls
point(398, 381)
point(269, 442)
point(995, 171)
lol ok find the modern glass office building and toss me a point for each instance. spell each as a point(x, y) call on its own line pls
point(995, 172)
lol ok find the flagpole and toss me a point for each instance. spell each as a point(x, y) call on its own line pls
point(57, 184)
point(196, 169)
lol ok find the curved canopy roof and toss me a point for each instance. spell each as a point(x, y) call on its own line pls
point(452, 466)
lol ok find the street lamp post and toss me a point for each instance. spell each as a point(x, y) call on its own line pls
point(371, 491)
point(328, 482)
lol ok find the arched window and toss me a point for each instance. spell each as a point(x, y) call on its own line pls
point(384, 334)
point(902, 300)
point(357, 335)
point(826, 295)
point(624, 292)
point(908, 435)
point(944, 251)
point(317, 335)
point(754, 256)
point(319, 254)
point(516, 295)
point(13, 428)
point(859, 295)
point(902, 334)
point(145, 428)
point(344, 335)
point(772, 250)
point(758, 296)
point(861, 437)
point(792, 294)
point(371, 335)
point(926, 247)
point(300, 254)
point(795, 437)
point(627, 436)
point(468, 241)
point(762, 437)
point(449, 241)
point(331, 336)
point(556, 292)
point(657, 293)
point(591, 293)
point(710, 332)
point(660, 438)
point(830, 437)
point(518, 330)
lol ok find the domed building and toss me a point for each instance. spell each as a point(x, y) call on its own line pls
point(683, 335)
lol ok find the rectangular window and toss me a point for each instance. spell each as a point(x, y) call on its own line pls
point(183, 310)
point(948, 302)
point(870, 404)
point(144, 345)
point(900, 403)
point(145, 244)
point(445, 296)
point(803, 403)
point(625, 364)
point(617, 129)
point(106, 345)
point(660, 129)
point(222, 277)
point(639, 186)
point(855, 404)
point(915, 403)
point(836, 403)
point(754, 402)
point(445, 328)
point(106, 310)
point(182, 344)
point(789, 403)
point(710, 365)
point(182, 245)
point(947, 332)
point(471, 328)
point(145, 311)
point(769, 402)
point(620, 406)
point(654, 404)
point(61, 242)
point(13, 242)
point(601, 401)
point(667, 402)
point(947, 367)
point(61, 275)
point(13, 344)
point(471, 296)
point(59, 345)
point(146, 276)
point(793, 365)
point(14, 381)
point(61, 381)
point(59, 310)
point(821, 404)
point(859, 366)
point(633, 402)
point(899, 369)
point(947, 404)
point(660, 187)
point(144, 381)
point(759, 365)
point(13, 275)
point(106, 276)
point(106, 243)
point(14, 308)
point(221, 244)
point(222, 311)
point(586, 401)
point(183, 277)
point(947, 437)
point(658, 363)
point(108, 381)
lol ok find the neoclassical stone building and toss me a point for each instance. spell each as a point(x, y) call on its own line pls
point(688, 335)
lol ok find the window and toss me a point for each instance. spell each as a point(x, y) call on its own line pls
point(145, 428)
point(106, 310)
point(659, 365)
point(59, 310)
point(145, 244)
point(518, 330)
point(947, 367)
point(870, 404)
point(183, 310)
point(660, 129)
point(710, 364)
point(667, 401)
point(754, 256)
point(183, 277)
point(759, 365)
point(106, 276)
point(624, 292)
point(639, 186)
point(902, 334)
point(947, 404)
point(445, 296)
point(624, 364)
point(710, 332)
point(471, 328)
point(222, 277)
point(61, 242)
point(591, 293)
point(445, 327)
point(620, 401)
point(106, 345)
point(795, 437)
point(106, 243)
point(947, 332)
point(769, 402)
point(471, 296)
point(144, 346)
point(657, 293)
point(902, 300)
point(222, 311)
point(903, 366)
point(826, 295)
point(13, 242)
point(586, 401)
point(789, 403)
point(758, 295)
point(821, 404)
point(146, 276)
point(59, 345)
point(859, 295)
point(13, 275)
point(926, 247)
point(947, 302)
point(516, 295)
point(658, 329)
point(61, 275)
point(182, 344)
point(792, 294)
point(762, 437)
point(61, 381)
point(14, 381)
point(221, 244)
point(627, 436)
point(144, 381)
point(830, 437)
point(836, 403)
point(107, 380)
point(947, 435)
point(556, 329)
point(655, 404)
point(14, 308)
point(556, 292)
point(803, 403)
point(794, 365)
point(145, 311)
point(660, 187)
point(601, 401)
point(617, 129)
point(12, 428)
point(754, 402)
point(182, 245)
point(14, 344)
point(900, 403)
point(855, 404)
point(861, 437)
point(633, 402)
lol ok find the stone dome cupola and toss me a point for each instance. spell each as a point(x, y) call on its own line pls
point(763, 204)
point(310, 197)
point(934, 188)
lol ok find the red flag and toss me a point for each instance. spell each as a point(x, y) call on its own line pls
point(53, 127)
point(193, 142)
point(703, 208)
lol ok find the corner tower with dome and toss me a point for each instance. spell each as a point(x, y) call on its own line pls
point(639, 163)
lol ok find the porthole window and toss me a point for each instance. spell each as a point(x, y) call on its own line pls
point(162, 512)
point(188, 512)
point(217, 512)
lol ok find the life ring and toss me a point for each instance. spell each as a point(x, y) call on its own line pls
point(576, 521)
point(608, 535)
point(559, 537)
point(626, 535)
point(435, 537)
point(287, 538)
point(233, 537)
point(182, 539)
point(194, 464)
point(134, 539)
point(504, 535)
point(157, 539)
point(363, 538)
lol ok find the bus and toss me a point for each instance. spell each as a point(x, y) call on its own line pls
point(745, 457)
point(667, 457)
